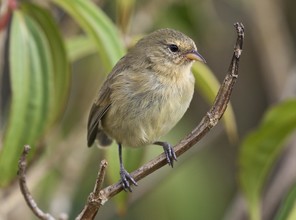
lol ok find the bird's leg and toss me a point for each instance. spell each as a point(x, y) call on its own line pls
point(169, 152)
point(124, 175)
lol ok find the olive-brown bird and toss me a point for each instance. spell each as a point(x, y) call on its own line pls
point(145, 95)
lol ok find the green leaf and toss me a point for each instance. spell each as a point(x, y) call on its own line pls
point(40, 79)
point(30, 68)
point(98, 27)
point(287, 210)
point(79, 47)
point(261, 148)
point(61, 69)
point(208, 85)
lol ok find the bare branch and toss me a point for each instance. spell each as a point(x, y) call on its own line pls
point(24, 189)
point(94, 200)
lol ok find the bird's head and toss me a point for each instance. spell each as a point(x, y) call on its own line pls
point(168, 49)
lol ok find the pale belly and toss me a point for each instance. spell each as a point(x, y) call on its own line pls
point(141, 119)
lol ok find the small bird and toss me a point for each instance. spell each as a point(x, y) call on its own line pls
point(145, 95)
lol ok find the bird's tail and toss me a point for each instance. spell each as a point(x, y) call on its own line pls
point(103, 139)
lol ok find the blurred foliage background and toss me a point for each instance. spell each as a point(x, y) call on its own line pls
point(54, 56)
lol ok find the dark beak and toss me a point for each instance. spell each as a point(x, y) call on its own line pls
point(194, 55)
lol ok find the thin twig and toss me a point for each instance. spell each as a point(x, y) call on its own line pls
point(93, 203)
point(24, 189)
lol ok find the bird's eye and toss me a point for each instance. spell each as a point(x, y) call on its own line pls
point(174, 48)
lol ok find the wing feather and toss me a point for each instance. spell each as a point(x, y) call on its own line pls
point(101, 105)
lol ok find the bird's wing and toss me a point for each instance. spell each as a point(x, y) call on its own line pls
point(98, 110)
point(102, 103)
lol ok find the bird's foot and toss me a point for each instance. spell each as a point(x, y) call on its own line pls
point(126, 178)
point(169, 152)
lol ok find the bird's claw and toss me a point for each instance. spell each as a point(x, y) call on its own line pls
point(170, 154)
point(126, 178)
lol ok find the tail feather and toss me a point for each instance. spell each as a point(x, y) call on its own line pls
point(93, 126)
point(103, 139)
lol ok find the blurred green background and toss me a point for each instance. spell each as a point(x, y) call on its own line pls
point(204, 184)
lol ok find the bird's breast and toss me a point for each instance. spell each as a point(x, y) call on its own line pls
point(142, 111)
